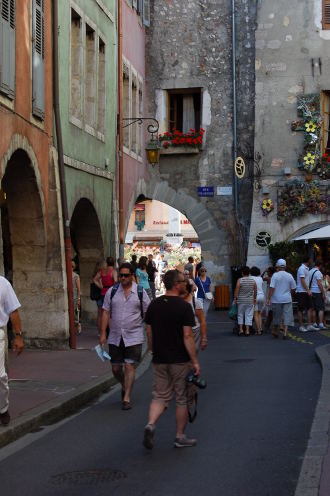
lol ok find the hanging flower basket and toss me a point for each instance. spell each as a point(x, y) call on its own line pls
point(192, 139)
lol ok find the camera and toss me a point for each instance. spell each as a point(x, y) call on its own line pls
point(197, 381)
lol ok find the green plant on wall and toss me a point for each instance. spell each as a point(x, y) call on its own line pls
point(288, 251)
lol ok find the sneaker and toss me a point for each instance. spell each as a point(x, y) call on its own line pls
point(5, 418)
point(312, 327)
point(184, 442)
point(302, 329)
point(322, 327)
point(148, 438)
point(316, 326)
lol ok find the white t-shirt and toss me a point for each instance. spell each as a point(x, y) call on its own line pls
point(8, 301)
point(317, 276)
point(282, 282)
point(198, 306)
point(302, 272)
point(259, 283)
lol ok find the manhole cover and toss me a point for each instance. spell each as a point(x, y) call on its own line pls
point(240, 360)
point(88, 477)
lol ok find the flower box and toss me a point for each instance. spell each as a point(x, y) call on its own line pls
point(180, 150)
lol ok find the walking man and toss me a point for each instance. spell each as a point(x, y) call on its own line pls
point(279, 295)
point(304, 296)
point(169, 322)
point(9, 305)
point(318, 294)
point(123, 309)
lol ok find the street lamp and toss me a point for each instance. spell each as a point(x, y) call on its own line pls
point(152, 148)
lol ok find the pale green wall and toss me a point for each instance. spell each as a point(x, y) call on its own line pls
point(77, 143)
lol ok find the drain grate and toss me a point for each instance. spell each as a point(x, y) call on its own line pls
point(88, 477)
point(240, 360)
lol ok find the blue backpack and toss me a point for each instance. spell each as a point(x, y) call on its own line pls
point(140, 295)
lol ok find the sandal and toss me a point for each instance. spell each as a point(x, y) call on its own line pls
point(126, 405)
point(241, 333)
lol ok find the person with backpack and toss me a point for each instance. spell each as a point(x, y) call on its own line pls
point(124, 307)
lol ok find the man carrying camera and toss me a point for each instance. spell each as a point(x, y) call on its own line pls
point(169, 322)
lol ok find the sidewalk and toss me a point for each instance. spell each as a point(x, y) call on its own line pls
point(48, 385)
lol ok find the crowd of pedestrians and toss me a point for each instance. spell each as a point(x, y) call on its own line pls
point(271, 296)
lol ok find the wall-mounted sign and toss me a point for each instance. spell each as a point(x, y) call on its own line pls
point(205, 191)
point(240, 167)
point(224, 190)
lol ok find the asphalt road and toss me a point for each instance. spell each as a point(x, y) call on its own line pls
point(252, 428)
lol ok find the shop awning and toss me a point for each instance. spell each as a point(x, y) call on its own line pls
point(321, 233)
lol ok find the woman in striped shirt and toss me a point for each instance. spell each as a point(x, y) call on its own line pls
point(245, 296)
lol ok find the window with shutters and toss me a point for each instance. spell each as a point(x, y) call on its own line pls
point(134, 112)
point(7, 47)
point(326, 14)
point(101, 89)
point(140, 114)
point(146, 12)
point(90, 78)
point(126, 104)
point(76, 67)
point(38, 59)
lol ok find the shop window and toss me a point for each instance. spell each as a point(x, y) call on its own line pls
point(76, 66)
point(101, 89)
point(326, 14)
point(90, 77)
point(139, 217)
point(184, 109)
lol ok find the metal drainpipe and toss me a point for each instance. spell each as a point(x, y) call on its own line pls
point(66, 223)
point(120, 131)
point(234, 105)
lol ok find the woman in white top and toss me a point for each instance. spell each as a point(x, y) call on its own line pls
point(260, 303)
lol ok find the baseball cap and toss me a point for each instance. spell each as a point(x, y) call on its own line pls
point(281, 262)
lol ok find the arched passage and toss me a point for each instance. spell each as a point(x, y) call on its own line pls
point(24, 244)
point(87, 243)
point(214, 249)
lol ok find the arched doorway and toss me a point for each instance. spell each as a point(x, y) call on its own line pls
point(88, 249)
point(24, 246)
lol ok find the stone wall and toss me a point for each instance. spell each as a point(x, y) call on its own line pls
point(189, 45)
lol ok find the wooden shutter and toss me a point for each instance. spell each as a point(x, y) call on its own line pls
point(38, 60)
point(7, 47)
point(146, 12)
point(134, 3)
point(326, 14)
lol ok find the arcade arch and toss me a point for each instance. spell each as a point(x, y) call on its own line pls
point(87, 243)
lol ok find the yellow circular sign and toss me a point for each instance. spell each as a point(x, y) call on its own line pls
point(240, 167)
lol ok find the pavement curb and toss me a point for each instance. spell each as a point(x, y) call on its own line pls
point(311, 470)
point(54, 410)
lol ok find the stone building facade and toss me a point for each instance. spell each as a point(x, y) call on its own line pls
point(291, 120)
point(189, 75)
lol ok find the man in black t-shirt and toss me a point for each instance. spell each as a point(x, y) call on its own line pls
point(169, 322)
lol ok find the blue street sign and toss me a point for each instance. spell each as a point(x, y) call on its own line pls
point(205, 191)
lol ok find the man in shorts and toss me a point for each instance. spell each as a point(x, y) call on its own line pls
point(169, 322)
point(122, 312)
point(279, 296)
point(318, 293)
point(304, 296)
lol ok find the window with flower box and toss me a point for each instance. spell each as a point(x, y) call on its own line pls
point(184, 109)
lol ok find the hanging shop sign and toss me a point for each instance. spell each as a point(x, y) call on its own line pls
point(240, 167)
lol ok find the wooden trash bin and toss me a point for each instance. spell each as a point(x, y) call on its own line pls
point(221, 300)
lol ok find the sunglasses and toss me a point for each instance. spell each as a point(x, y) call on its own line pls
point(124, 275)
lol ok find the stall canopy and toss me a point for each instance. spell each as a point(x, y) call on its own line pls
point(321, 233)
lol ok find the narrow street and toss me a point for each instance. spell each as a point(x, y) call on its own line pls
point(252, 428)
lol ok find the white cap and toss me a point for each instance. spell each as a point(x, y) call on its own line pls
point(281, 262)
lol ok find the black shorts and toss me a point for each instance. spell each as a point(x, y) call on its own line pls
point(318, 302)
point(125, 354)
point(304, 301)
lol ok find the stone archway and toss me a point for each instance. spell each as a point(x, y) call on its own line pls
point(87, 242)
point(213, 247)
point(25, 234)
